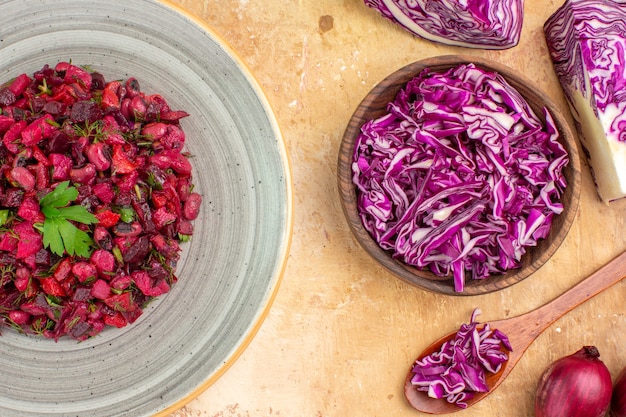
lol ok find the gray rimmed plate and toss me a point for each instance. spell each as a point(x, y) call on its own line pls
point(230, 271)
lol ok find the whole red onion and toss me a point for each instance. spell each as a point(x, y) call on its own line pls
point(618, 401)
point(578, 385)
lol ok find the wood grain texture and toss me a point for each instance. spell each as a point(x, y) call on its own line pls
point(374, 105)
point(343, 330)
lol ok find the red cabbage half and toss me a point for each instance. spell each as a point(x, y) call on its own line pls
point(458, 370)
point(486, 24)
point(587, 43)
point(460, 176)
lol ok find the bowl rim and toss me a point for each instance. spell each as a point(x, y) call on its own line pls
point(386, 90)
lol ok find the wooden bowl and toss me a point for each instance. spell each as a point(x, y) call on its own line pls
point(374, 105)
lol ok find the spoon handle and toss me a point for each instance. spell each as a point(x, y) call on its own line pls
point(538, 320)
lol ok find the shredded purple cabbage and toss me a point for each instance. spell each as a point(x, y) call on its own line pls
point(458, 370)
point(460, 175)
point(587, 43)
point(485, 24)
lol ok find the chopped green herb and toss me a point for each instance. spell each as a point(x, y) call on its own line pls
point(59, 234)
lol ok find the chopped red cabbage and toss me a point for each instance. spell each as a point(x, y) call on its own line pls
point(460, 175)
point(458, 370)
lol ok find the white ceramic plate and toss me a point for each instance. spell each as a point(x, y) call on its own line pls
point(228, 273)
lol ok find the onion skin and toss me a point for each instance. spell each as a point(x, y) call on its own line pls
point(578, 385)
point(618, 401)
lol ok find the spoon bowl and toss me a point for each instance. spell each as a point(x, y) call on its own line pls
point(521, 331)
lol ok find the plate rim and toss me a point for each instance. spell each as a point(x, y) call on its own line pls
point(287, 238)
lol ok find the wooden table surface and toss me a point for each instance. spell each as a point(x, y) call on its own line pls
point(342, 332)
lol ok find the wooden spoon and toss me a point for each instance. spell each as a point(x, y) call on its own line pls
point(521, 331)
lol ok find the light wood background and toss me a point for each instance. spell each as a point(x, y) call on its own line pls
point(342, 332)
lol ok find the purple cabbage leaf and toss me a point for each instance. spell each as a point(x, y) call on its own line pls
point(486, 24)
point(587, 44)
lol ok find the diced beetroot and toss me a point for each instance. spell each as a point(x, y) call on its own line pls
point(107, 218)
point(13, 197)
point(121, 302)
point(159, 198)
point(184, 188)
point(161, 287)
point(30, 261)
point(104, 262)
point(137, 253)
point(30, 241)
point(121, 162)
point(52, 287)
point(173, 116)
point(174, 139)
point(42, 176)
point(97, 155)
point(104, 191)
point(127, 182)
point(85, 111)
point(74, 74)
point(101, 289)
point(178, 162)
point(191, 208)
point(29, 210)
point(39, 155)
point(7, 98)
point(84, 271)
point(22, 177)
point(110, 125)
point(124, 243)
point(121, 282)
point(137, 108)
point(63, 269)
point(33, 308)
point(85, 175)
point(185, 227)
point(19, 84)
point(81, 294)
point(115, 320)
point(154, 131)
point(110, 99)
point(40, 129)
point(61, 166)
point(165, 246)
point(12, 136)
point(132, 87)
point(102, 238)
point(5, 123)
point(161, 160)
point(8, 242)
point(19, 317)
point(162, 216)
point(147, 286)
point(22, 277)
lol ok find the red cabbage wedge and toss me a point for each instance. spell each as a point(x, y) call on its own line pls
point(460, 176)
point(485, 24)
point(587, 43)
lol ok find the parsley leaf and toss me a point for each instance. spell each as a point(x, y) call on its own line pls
point(59, 234)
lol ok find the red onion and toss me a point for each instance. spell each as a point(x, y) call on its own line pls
point(578, 385)
point(618, 401)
